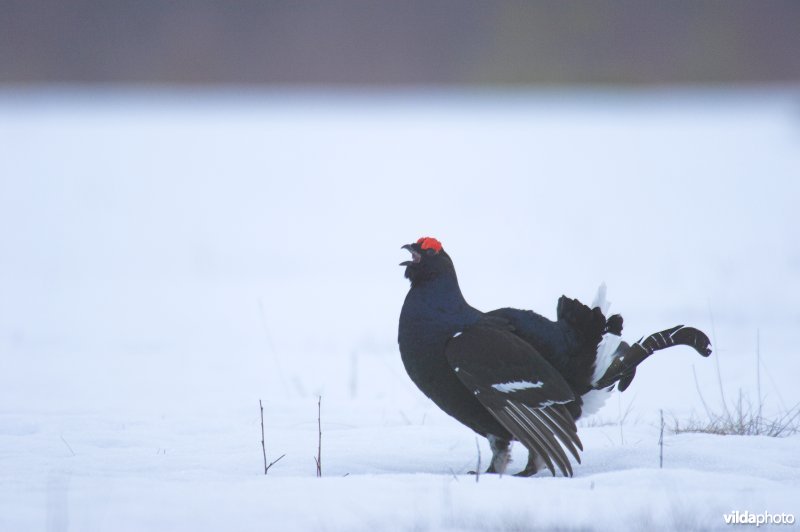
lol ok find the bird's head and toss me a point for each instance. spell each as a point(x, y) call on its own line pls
point(428, 260)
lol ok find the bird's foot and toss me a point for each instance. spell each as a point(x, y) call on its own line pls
point(488, 471)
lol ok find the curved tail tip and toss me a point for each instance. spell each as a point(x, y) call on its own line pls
point(704, 348)
point(698, 340)
point(689, 336)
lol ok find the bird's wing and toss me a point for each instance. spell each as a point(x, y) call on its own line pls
point(519, 388)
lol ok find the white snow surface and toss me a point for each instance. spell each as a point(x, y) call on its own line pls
point(170, 257)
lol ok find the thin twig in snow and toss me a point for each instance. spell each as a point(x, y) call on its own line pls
point(68, 446)
point(758, 373)
point(263, 445)
point(699, 393)
point(478, 468)
point(273, 463)
point(621, 419)
point(716, 361)
point(775, 387)
point(318, 458)
point(661, 442)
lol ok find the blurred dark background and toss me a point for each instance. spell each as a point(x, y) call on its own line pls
point(404, 42)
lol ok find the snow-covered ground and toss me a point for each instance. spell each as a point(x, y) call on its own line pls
point(168, 258)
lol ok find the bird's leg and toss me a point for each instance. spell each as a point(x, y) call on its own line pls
point(535, 463)
point(501, 454)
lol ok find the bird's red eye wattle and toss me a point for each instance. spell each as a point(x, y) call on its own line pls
point(427, 242)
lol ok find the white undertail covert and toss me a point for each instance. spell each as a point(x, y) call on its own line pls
point(595, 399)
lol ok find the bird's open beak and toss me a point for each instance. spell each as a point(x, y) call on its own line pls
point(416, 256)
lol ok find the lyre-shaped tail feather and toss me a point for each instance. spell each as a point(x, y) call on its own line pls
point(627, 358)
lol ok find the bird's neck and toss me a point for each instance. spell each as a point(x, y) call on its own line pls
point(433, 311)
point(438, 295)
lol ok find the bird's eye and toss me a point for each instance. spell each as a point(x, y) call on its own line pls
point(430, 251)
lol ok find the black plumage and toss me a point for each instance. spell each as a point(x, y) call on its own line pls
point(513, 374)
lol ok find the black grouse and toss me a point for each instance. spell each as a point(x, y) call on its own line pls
point(512, 374)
